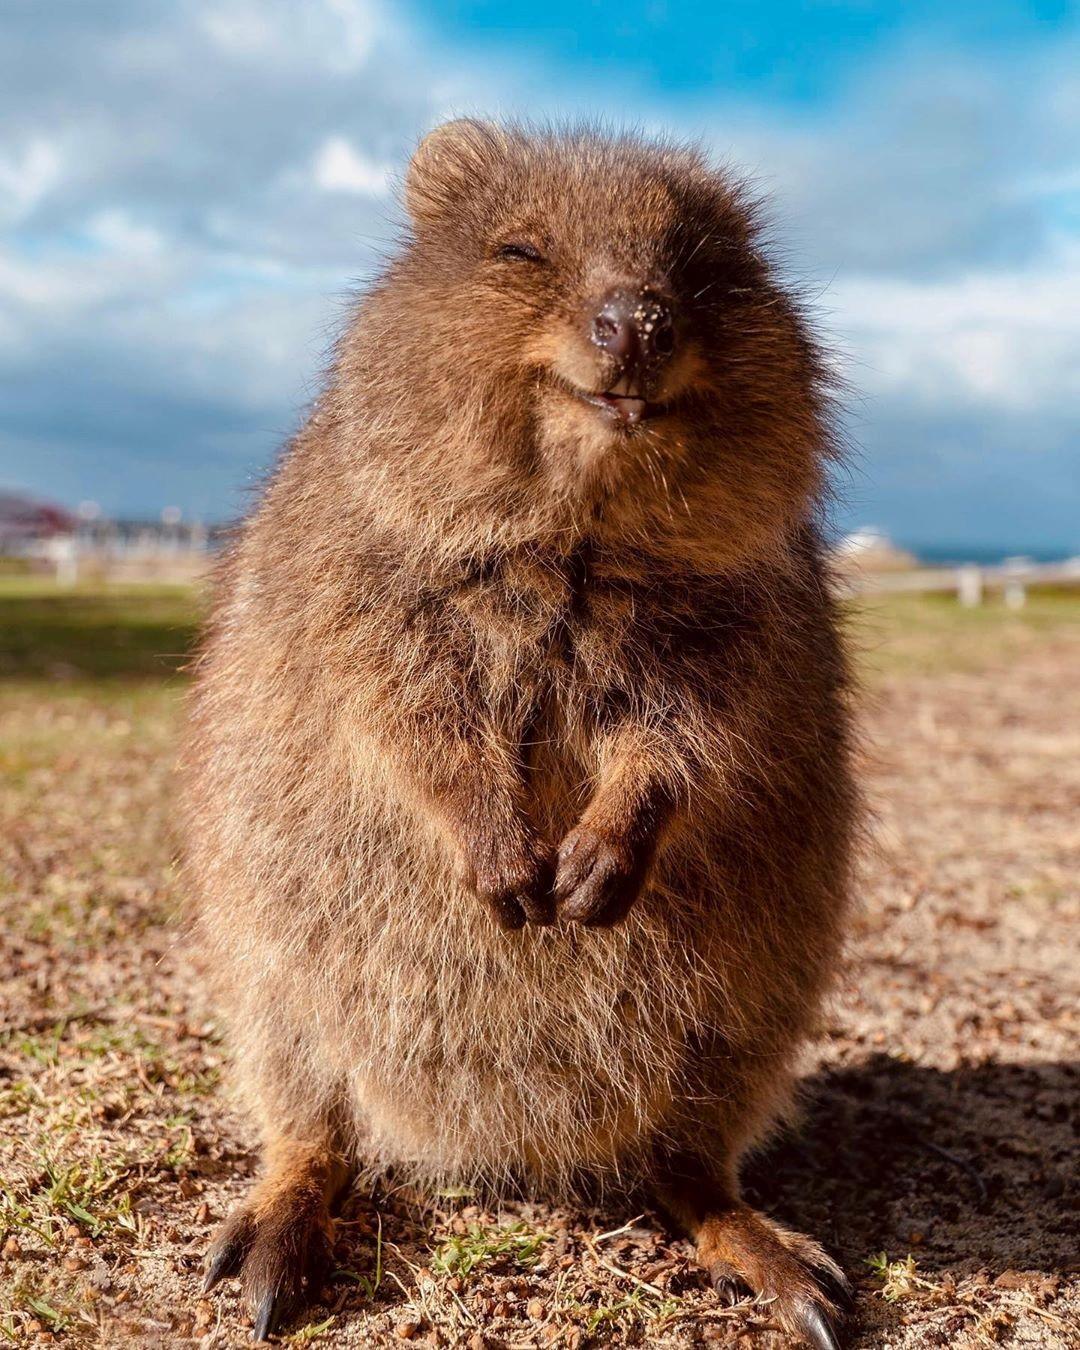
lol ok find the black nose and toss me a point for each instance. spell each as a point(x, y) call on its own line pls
point(634, 327)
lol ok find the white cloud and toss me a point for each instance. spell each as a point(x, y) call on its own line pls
point(339, 167)
point(115, 231)
point(337, 35)
point(27, 176)
point(997, 338)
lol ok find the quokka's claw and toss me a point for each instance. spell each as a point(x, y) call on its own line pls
point(230, 1247)
point(815, 1327)
point(267, 1316)
point(730, 1288)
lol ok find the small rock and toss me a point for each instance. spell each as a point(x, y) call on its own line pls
point(405, 1331)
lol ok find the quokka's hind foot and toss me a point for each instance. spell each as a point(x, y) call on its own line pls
point(746, 1254)
point(279, 1242)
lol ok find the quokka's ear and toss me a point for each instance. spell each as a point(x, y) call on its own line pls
point(450, 160)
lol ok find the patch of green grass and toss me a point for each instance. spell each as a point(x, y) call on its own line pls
point(96, 1195)
point(93, 1195)
point(641, 1305)
point(76, 1049)
point(16, 1215)
point(37, 1299)
point(935, 634)
point(97, 632)
point(478, 1245)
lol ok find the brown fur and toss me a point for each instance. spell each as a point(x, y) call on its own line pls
point(472, 621)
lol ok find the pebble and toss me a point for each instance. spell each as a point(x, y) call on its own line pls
point(405, 1331)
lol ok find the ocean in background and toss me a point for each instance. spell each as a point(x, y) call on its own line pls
point(940, 555)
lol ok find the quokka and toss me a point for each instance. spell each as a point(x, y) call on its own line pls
point(520, 807)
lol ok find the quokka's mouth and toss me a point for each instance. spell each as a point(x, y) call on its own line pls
point(625, 403)
point(625, 408)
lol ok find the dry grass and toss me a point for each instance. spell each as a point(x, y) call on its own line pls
point(934, 1157)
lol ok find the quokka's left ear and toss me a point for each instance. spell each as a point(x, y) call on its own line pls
point(450, 160)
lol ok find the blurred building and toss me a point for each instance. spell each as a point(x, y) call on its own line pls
point(24, 519)
point(85, 543)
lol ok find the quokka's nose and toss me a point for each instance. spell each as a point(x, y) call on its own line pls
point(636, 328)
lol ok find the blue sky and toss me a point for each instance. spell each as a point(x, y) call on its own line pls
point(189, 188)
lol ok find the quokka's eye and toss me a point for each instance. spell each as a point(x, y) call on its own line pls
point(519, 250)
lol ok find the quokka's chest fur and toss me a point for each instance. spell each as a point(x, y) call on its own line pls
point(471, 1052)
point(577, 628)
point(474, 1056)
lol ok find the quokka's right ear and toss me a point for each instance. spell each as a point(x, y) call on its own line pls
point(450, 160)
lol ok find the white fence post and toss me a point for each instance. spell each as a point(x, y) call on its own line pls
point(969, 585)
point(1015, 592)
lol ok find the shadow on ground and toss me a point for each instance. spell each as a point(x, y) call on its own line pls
point(967, 1170)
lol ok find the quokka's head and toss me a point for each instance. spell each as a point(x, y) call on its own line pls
point(604, 300)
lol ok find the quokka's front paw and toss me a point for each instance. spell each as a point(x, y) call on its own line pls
point(598, 877)
point(515, 884)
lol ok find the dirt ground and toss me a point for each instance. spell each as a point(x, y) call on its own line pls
point(935, 1156)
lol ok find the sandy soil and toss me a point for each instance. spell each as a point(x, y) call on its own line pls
point(939, 1120)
